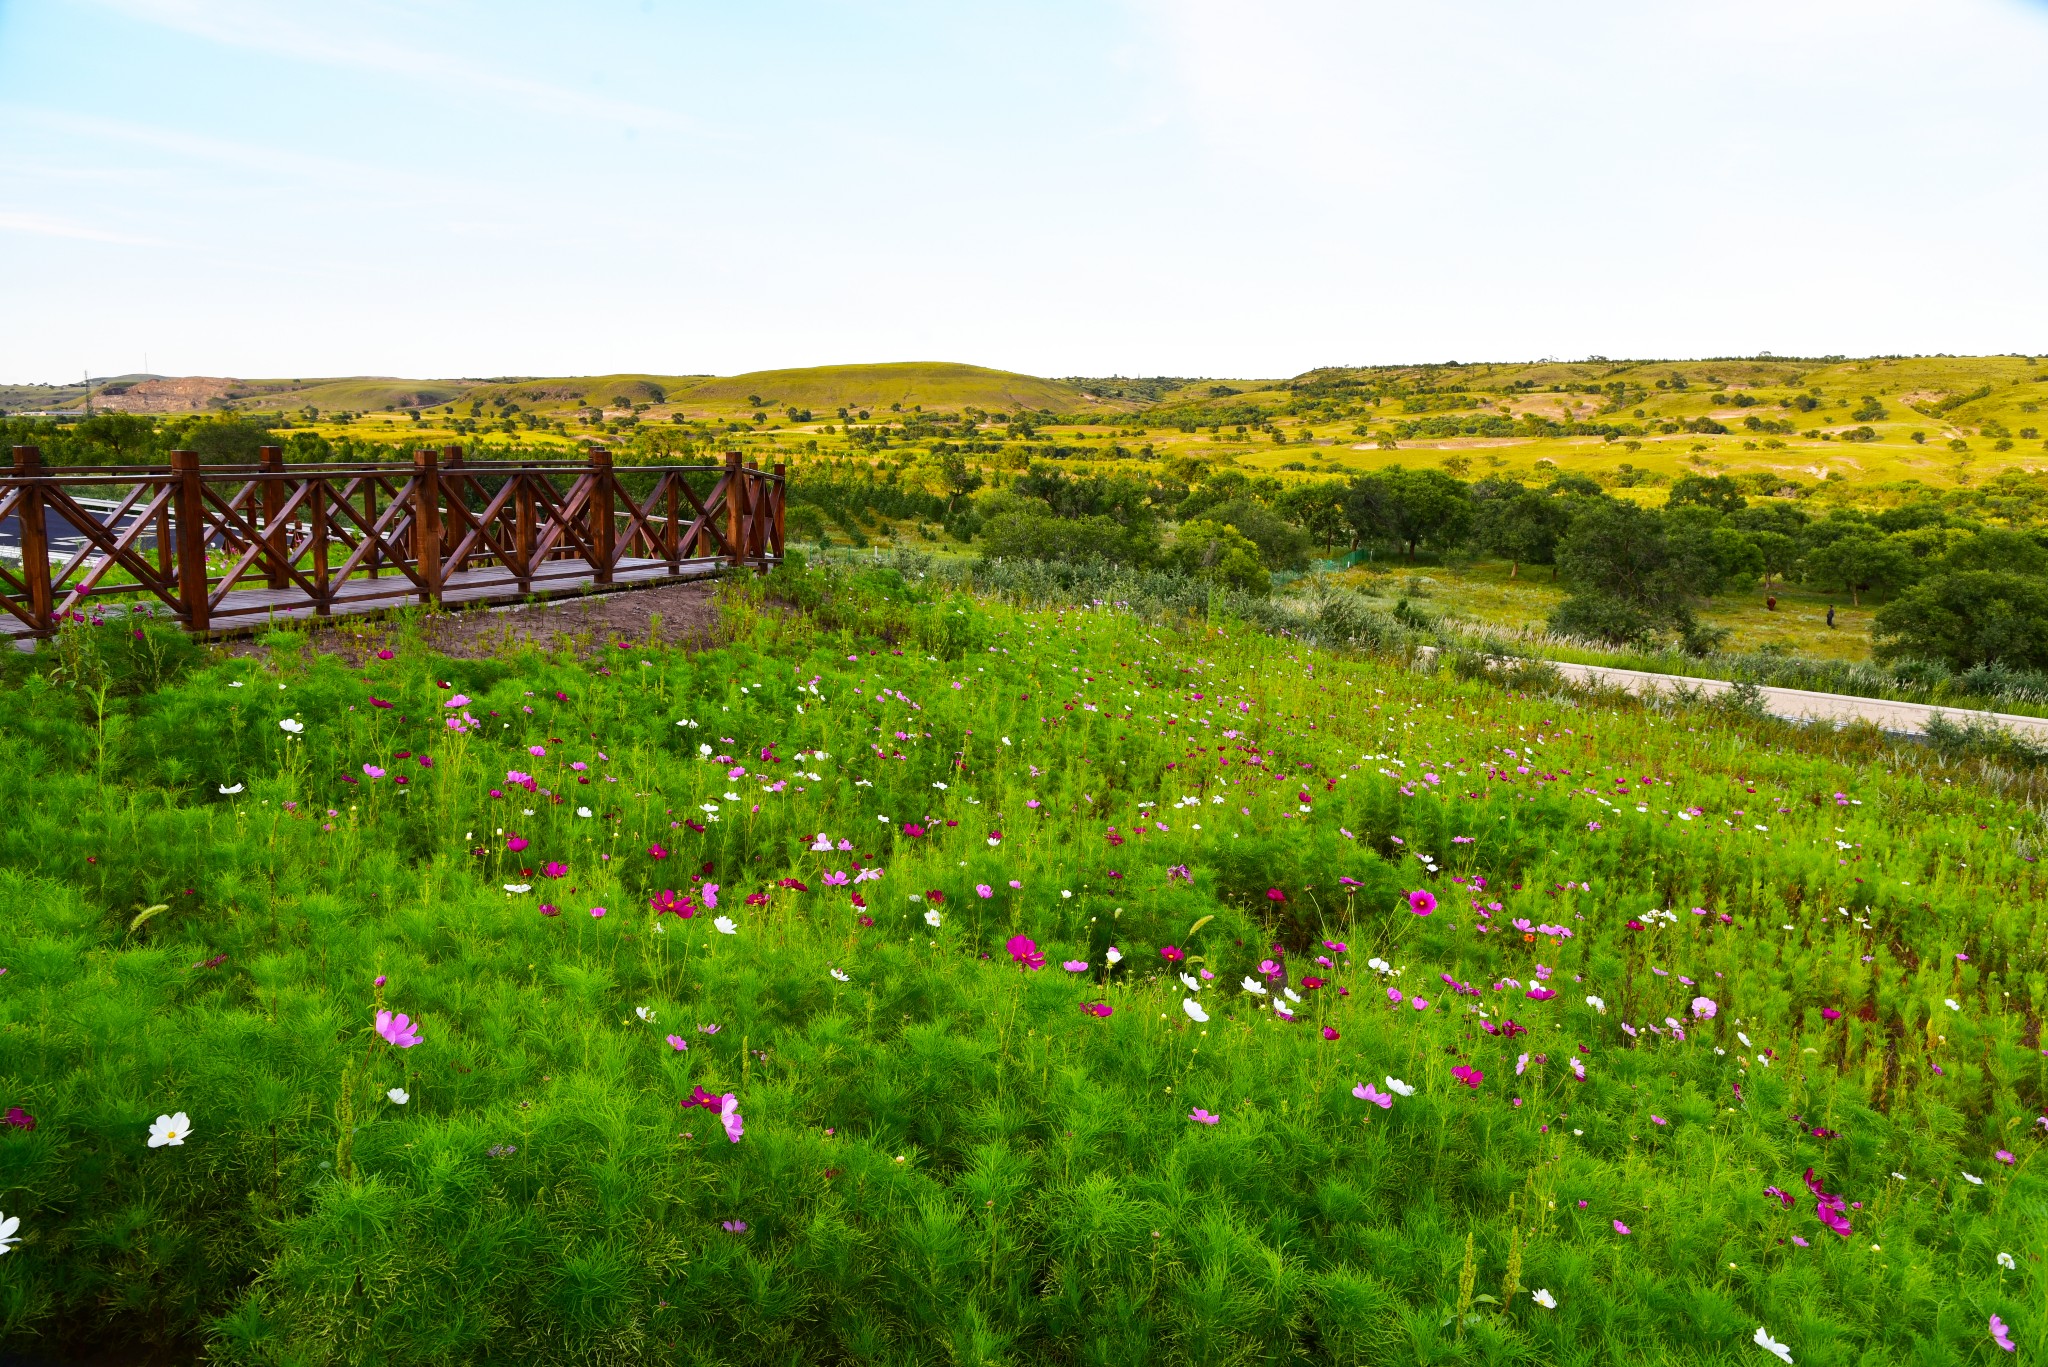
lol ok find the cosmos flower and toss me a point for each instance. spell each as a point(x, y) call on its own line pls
point(1763, 1340)
point(933, 919)
point(1999, 1336)
point(399, 1096)
point(1365, 1091)
point(1543, 1298)
point(170, 1129)
point(397, 1030)
point(1202, 1117)
point(1421, 902)
point(1468, 1075)
point(1194, 1010)
point(724, 925)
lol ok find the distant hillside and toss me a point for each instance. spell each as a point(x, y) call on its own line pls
point(934, 384)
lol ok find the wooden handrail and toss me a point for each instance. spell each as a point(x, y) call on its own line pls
point(233, 544)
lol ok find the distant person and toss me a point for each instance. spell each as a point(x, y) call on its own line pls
point(1831, 617)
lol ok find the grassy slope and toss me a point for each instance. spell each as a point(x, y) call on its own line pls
point(940, 1149)
point(934, 384)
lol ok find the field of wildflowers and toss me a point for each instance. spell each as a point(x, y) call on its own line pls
point(915, 979)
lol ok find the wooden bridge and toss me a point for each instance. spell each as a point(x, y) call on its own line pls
point(228, 548)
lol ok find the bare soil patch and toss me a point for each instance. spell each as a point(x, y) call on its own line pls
point(586, 625)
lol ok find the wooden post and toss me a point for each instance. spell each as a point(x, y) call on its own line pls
point(426, 523)
point(188, 526)
point(602, 530)
point(376, 556)
point(452, 483)
point(276, 538)
point(35, 537)
point(525, 532)
point(778, 491)
point(324, 601)
point(735, 509)
point(671, 534)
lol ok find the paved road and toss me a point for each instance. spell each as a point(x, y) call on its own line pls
point(1798, 704)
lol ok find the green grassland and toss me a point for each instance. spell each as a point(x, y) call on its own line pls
point(1199, 998)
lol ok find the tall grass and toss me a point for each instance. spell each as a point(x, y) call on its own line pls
point(943, 1156)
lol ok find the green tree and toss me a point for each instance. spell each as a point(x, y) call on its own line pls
point(1410, 508)
point(1966, 618)
point(1719, 492)
point(126, 435)
point(1618, 563)
point(1219, 553)
point(1518, 524)
point(1866, 563)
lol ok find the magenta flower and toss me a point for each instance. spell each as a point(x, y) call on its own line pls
point(1999, 1334)
point(515, 843)
point(536, 750)
point(1620, 1228)
point(1421, 902)
point(1172, 954)
point(1329, 1033)
point(912, 829)
point(1275, 895)
point(1365, 1091)
point(655, 851)
point(377, 981)
point(1102, 1009)
point(397, 1030)
point(1829, 1013)
point(1422, 1004)
point(373, 771)
point(1394, 995)
point(985, 890)
point(678, 1043)
point(710, 894)
point(733, 1226)
point(2004, 1156)
point(1024, 951)
point(1539, 994)
point(729, 1116)
point(1468, 1075)
point(554, 869)
point(550, 909)
point(1784, 1197)
point(1828, 1209)
point(597, 913)
point(20, 1119)
point(1202, 1116)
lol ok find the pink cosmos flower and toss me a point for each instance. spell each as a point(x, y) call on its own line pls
point(1999, 1334)
point(835, 879)
point(20, 1119)
point(1102, 1009)
point(1421, 902)
point(984, 889)
point(554, 869)
point(1468, 1075)
point(550, 909)
point(1703, 1008)
point(1365, 1091)
point(1172, 954)
point(397, 1030)
point(1828, 1209)
point(373, 771)
point(537, 751)
point(1620, 1228)
point(1394, 995)
point(678, 1043)
point(597, 913)
point(709, 892)
point(1202, 1116)
point(1329, 1033)
point(733, 1226)
point(515, 843)
point(1025, 952)
point(1539, 994)
point(729, 1116)
point(1275, 895)
point(1075, 965)
point(1419, 1003)
point(1829, 1013)
point(2004, 1156)
point(655, 851)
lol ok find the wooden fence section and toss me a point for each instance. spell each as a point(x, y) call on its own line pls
point(227, 547)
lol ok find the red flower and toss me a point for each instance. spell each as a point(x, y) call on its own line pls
point(794, 885)
point(868, 921)
point(935, 897)
point(757, 899)
point(1311, 984)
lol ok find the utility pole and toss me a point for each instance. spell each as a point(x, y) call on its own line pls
point(88, 393)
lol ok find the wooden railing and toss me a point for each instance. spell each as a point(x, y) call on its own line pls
point(223, 545)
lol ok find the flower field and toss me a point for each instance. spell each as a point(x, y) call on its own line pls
point(915, 979)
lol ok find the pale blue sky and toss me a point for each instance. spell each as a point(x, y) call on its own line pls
point(439, 187)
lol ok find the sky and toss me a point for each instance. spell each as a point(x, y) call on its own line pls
point(270, 188)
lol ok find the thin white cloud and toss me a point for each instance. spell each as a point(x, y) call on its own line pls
point(42, 225)
point(347, 36)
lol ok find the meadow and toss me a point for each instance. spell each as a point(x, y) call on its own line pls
point(911, 977)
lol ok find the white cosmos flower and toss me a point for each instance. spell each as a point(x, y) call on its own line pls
point(940, 786)
point(1395, 1084)
point(1292, 995)
point(516, 888)
point(170, 1129)
point(1254, 986)
point(1282, 1012)
point(724, 926)
point(1543, 1298)
point(1188, 981)
point(1194, 1010)
point(1114, 955)
point(932, 918)
point(236, 684)
point(8, 1225)
point(841, 976)
point(1744, 1038)
point(1950, 1003)
point(291, 726)
point(2005, 1261)
point(823, 844)
point(1763, 1340)
point(399, 1096)
point(583, 812)
point(704, 750)
point(644, 1014)
point(1973, 1179)
point(711, 807)
point(732, 797)
point(1597, 1004)
point(226, 791)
